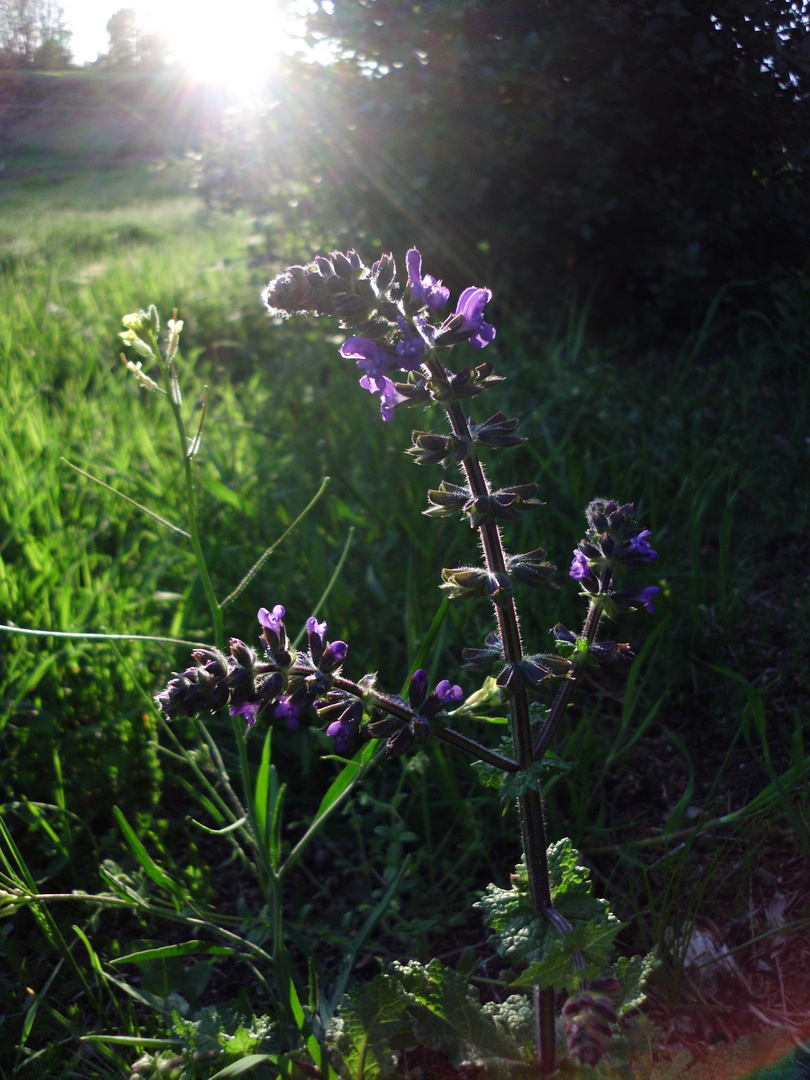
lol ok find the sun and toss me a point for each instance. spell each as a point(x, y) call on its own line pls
point(234, 43)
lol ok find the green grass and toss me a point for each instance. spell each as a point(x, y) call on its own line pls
point(709, 440)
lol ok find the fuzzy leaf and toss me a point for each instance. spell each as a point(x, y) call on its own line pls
point(557, 968)
point(518, 783)
point(448, 1017)
point(372, 1018)
point(633, 973)
point(531, 943)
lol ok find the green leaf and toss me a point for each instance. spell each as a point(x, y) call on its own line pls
point(545, 955)
point(373, 1017)
point(519, 783)
point(633, 973)
point(245, 1064)
point(559, 968)
point(159, 876)
point(434, 1006)
point(165, 952)
point(447, 1016)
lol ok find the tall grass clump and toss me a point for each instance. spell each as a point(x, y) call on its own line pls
point(236, 861)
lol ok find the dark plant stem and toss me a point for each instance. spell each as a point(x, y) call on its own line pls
point(560, 703)
point(400, 709)
point(530, 807)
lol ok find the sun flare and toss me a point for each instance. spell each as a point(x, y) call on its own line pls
point(234, 43)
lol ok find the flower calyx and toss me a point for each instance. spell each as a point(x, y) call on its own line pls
point(531, 569)
point(497, 431)
point(531, 672)
point(507, 504)
point(447, 499)
point(470, 582)
point(484, 659)
point(431, 449)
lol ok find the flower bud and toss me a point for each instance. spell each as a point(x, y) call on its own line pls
point(400, 743)
point(381, 729)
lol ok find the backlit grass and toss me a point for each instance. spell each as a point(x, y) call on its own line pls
point(710, 441)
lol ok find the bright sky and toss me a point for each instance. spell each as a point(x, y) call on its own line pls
point(235, 40)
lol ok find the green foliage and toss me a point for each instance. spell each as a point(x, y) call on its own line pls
point(431, 1006)
point(652, 152)
point(532, 943)
point(513, 784)
point(715, 425)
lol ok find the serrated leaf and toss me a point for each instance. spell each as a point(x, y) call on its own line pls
point(527, 939)
point(491, 775)
point(633, 973)
point(559, 967)
point(448, 1017)
point(488, 775)
point(372, 1018)
point(519, 783)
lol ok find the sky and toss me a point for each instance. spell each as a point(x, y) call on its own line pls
point(208, 37)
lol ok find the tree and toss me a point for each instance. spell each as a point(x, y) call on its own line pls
point(122, 29)
point(33, 33)
point(654, 149)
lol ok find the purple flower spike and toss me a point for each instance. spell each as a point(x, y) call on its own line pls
point(248, 709)
point(427, 290)
point(389, 395)
point(641, 546)
point(447, 694)
point(370, 356)
point(471, 306)
point(272, 619)
point(580, 567)
point(645, 597)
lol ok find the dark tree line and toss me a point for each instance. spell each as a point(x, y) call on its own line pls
point(652, 150)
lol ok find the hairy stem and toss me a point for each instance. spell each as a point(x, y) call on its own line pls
point(560, 703)
point(448, 735)
point(530, 807)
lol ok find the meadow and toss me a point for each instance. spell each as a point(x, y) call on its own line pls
point(686, 794)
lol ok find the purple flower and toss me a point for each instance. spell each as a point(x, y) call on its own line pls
point(346, 725)
point(641, 546)
point(417, 689)
point(336, 652)
point(247, 709)
point(389, 395)
point(371, 357)
point(341, 733)
point(272, 619)
point(427, 290)
point(580, 567)
point(447, 694)
point(289, 712)
point(410, 348)
point(471, 306)
point(645, 597)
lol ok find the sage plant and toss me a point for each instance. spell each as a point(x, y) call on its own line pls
point(403, 330)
